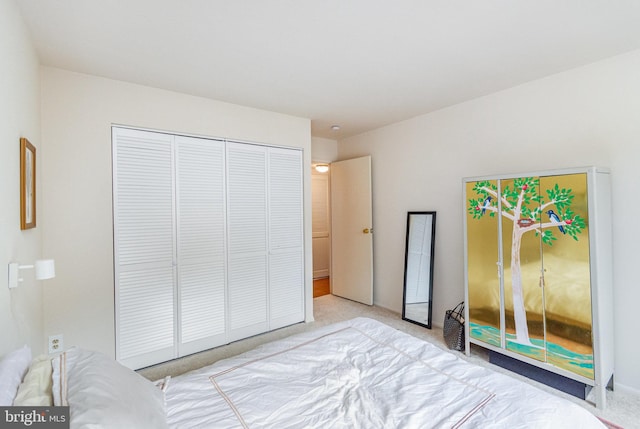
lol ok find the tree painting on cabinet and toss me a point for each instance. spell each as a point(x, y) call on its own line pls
point(545, 265)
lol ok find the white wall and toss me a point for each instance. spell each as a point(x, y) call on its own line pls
point(77, 113)
point(324, 150)
point(20, 308)
point(586, 116)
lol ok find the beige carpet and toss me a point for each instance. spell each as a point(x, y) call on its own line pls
point(623, 408)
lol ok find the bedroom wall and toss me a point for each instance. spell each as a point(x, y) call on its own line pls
point(77, 113)
point(20, 308)
point(324, 150)
point(585, 116)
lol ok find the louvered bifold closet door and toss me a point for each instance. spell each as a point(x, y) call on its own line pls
point(144, 250)
point(201, 243)
point(247, 239)
point(286, 251)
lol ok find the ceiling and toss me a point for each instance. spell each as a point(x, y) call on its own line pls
point(361, 64)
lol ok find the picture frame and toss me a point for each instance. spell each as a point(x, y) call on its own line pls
point(27, 184)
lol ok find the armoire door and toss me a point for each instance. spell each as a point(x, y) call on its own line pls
point(567, 277)
point(522, 262)
point(483, 269)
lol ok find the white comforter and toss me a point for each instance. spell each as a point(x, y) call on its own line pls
point(360, 374)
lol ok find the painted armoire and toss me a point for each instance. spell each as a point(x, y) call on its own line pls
point(538, 280)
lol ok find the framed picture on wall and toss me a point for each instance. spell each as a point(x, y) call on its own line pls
point(27, 184)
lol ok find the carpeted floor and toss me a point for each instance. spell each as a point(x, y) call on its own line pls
point(623, 408)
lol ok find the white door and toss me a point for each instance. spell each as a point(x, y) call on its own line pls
point(201, 247)
point(247, 240)
point(286, 237)
point(144, 247)
point(351, 230)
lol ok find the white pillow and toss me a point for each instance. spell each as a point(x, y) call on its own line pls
point(13, 367)
point(35, 389)
point(102, 393)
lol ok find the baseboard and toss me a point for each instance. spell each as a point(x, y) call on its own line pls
point(626, 389)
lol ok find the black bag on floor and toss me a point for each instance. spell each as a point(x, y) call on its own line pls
point(453, 328)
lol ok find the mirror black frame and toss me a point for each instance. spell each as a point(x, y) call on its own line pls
point(406, 257)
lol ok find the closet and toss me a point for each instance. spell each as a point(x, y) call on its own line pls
point(538, 274)
point(208, 243)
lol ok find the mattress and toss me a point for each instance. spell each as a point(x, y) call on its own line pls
point(360, 374)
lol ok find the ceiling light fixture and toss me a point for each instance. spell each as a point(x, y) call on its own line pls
point(321, 168)
point(335, 127)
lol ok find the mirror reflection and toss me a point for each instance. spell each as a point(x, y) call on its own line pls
point(418, 268)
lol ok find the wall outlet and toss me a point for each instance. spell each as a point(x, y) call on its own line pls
point(56, 343)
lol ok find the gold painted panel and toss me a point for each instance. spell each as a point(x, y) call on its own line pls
point(482, 256)
point(567, 276)
point(524, 312)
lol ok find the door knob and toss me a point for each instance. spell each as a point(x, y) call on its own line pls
point(367, 231)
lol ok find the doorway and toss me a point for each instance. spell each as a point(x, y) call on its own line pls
point(342, 229)
point(321, 228)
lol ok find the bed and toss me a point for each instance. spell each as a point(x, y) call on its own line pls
point(354, 374)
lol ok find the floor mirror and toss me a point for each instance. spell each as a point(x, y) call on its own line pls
point(418, 268)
